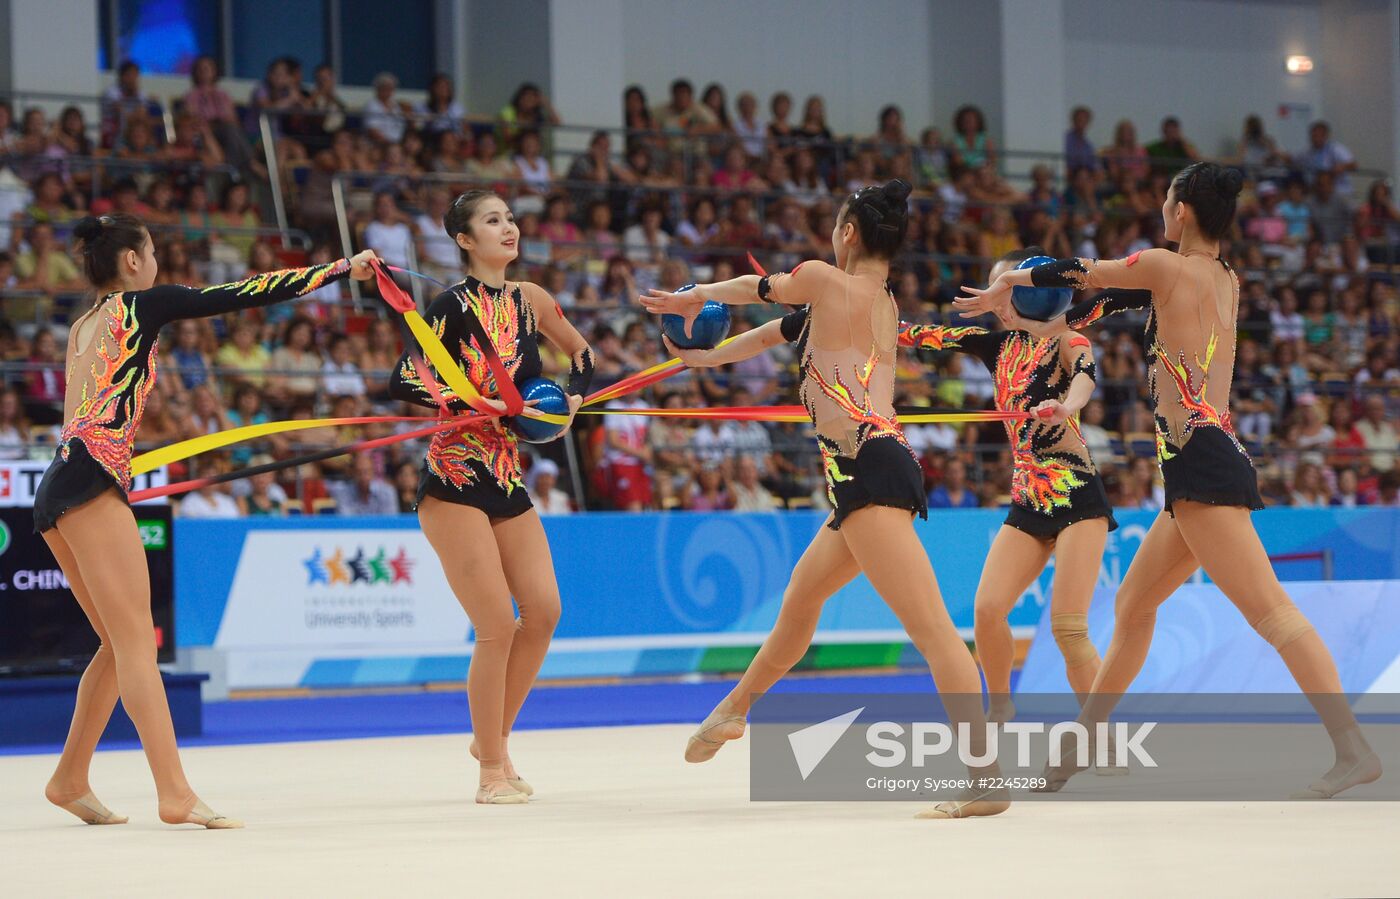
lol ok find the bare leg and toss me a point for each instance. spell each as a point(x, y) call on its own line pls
point(1078, 557)
point(466, 547)
point(1162, 564)
point(97, 696)
point(1013, 563)
point(1225, 541)
point(888, 551)
point(825, 567)
point(529, 571)
point(112, 564)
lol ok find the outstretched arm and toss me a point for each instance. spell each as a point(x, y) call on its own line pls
point(1153, 271)
point(1077, 359)
point(745, 346)
point(800, 287)
point(169, 302)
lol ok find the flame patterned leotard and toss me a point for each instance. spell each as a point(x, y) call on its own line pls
point(480, 465)
point(1053, 481)
point(846, 345)
point(111, 377)
point(1189, 344)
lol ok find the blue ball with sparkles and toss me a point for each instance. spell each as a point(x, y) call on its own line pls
point(711, 326)
point(551, 399)
point(1040, 303)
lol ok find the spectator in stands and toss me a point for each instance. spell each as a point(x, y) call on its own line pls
point(485, 166)
point(735, 173)
point(1326, 154)
point(191, 364)
point(237, 221)
point(1171, 152)
point(1378, 221)
point(51, 203)
point(558, 228)
point(713, 99)
point(71, 134)
point(1378, 433)
point(247, 409)
point(751, 129)
point(628, 456)
point(890, 139)
point(388, 233)
point(137, 140)
point(749, 494)
point(9, 137)
point(781, 133)
point(365, 493)
point(296, 365)
point(971, 144)
point(14, 427)
point(406, 486)
point(788, 236)
point(386, 116)
point(682, 114)
point(324, 100)
point(213, 501)
point(280, 89)
point(528, 108)
point(1079, 150)
point(954, 492)
point(438, 254)
point(598, 231)
point(1257, 150)
point(44, 380)
point(212, 109)
point(44, 266)
point(646, 242)
point(1126, 155)
point(265, 498)
point(340, 375)
point(244, 356)
point(709, 493)
point(1331, 215)
point(543, 479)
point(532, 168)
point(440, 111)
point(637, 117)
point(1297, 213)
point(1309, 490)
point(123, 100)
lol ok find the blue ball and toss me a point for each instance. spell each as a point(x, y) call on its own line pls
point(1040, 303)
point(552, 400)
point(711, 326)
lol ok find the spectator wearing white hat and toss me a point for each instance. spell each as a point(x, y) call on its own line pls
point(548, 498)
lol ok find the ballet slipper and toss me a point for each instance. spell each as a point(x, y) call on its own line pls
point(194, 811)
point(1059, 775)
point(1113, 768)
point(700, 748)
point(87, 807)
point(496, 789)
point(1363, 771)
point(515, 781)
point(978, 806)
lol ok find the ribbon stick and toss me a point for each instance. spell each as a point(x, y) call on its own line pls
point(205, 443)
point(359, 446)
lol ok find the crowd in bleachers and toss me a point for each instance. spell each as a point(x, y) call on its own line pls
point(675, 191)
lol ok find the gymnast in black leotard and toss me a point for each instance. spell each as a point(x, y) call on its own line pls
point(1193, 302)
point(81, 509)
point(472, 502)
point(1058, 502)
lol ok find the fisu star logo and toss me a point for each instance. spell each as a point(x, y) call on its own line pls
point(359, 568)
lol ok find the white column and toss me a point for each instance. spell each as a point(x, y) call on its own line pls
point(52, 46)
point(586, 52)
point(1033, 78)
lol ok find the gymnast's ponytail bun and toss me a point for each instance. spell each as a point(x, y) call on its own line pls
point(1229, 182)
point(1210, 190)
point(103, 239)
point(881, 216)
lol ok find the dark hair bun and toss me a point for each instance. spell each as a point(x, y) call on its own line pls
point(1229, 182)
point(896, 191)
point(88, 229)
